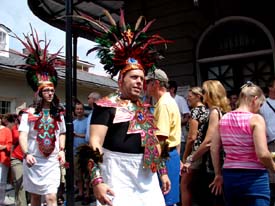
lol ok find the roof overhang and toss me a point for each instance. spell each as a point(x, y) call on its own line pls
point(54, 13)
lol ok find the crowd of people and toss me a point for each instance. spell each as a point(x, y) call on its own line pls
point(225, 159)
point(49, 169)
point(162, 150)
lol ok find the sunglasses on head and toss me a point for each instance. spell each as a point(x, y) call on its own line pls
point(248, 84)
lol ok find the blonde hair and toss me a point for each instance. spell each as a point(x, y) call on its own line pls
point(249, 91)
point(197, 91)
point(216, 95)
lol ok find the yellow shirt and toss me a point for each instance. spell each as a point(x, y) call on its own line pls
point(167, 119)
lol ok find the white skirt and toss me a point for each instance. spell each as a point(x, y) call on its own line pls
point(43, 177)
point(132, 184)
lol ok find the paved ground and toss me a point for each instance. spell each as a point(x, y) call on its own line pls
point(9, 199)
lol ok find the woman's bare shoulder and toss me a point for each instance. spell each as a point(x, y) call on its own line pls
point(257, 119)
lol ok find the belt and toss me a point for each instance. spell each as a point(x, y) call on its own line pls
point(271, 142)
point(171, 149)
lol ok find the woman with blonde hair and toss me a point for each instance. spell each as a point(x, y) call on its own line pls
point(214, 96)
point(197, 126)
point(242, 135)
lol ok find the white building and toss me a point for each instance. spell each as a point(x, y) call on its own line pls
point(16, 94)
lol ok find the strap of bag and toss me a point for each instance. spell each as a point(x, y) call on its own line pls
point(219, 112)
point(270, 106)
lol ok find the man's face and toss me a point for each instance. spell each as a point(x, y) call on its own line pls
point(131, 85)
point(151, 87)
point(79, 110)
point(172, 91)
point(4, 121)
point(48, 94)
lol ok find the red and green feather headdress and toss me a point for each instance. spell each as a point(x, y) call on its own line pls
point(122, 47)
point(40, 65)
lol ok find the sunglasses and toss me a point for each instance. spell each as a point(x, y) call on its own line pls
point(248, 84)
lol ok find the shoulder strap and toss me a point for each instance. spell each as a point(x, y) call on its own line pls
point(219, 112)
point(270, 106)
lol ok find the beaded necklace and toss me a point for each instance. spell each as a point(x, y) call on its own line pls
point(141, 121)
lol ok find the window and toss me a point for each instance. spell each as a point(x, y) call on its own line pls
point(236, 51)
point(2, 40)
point(5, 107)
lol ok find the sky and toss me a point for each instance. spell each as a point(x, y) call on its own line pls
point(16, 15)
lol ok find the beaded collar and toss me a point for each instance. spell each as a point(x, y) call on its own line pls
point(141, 121)
point(46, 127)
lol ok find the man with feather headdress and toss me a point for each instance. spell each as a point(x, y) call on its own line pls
point(124, 154)
point(42, 128)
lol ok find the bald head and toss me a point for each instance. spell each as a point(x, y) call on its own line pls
point(92, 97)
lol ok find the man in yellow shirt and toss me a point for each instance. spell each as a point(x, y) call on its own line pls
point(168, 122)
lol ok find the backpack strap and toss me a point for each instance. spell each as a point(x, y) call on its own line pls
point(270, 106)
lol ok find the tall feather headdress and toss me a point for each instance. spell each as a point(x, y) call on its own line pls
point(40, 65)
point(122, 47)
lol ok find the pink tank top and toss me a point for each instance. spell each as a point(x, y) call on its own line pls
point(237, 141)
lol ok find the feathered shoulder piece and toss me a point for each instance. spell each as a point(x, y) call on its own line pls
point(40, 65)
point(122, 47)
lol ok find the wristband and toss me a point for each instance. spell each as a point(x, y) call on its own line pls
point(89, 160)
point(163, 171)
point(94, 173)
point(61, 149)
point(97, 181)
point(25, 154)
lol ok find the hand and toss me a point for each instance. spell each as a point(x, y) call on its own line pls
point(186, 167)
point(30, 160)
point(103, 194)
point(61, 157)
point(166, 184)
point(217, 185)
point(2, 147)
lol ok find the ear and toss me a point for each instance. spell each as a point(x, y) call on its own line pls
point(120, 81)
point(155, 82)
point(254, 100)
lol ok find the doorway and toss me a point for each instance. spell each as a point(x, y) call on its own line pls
point(236, 50)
